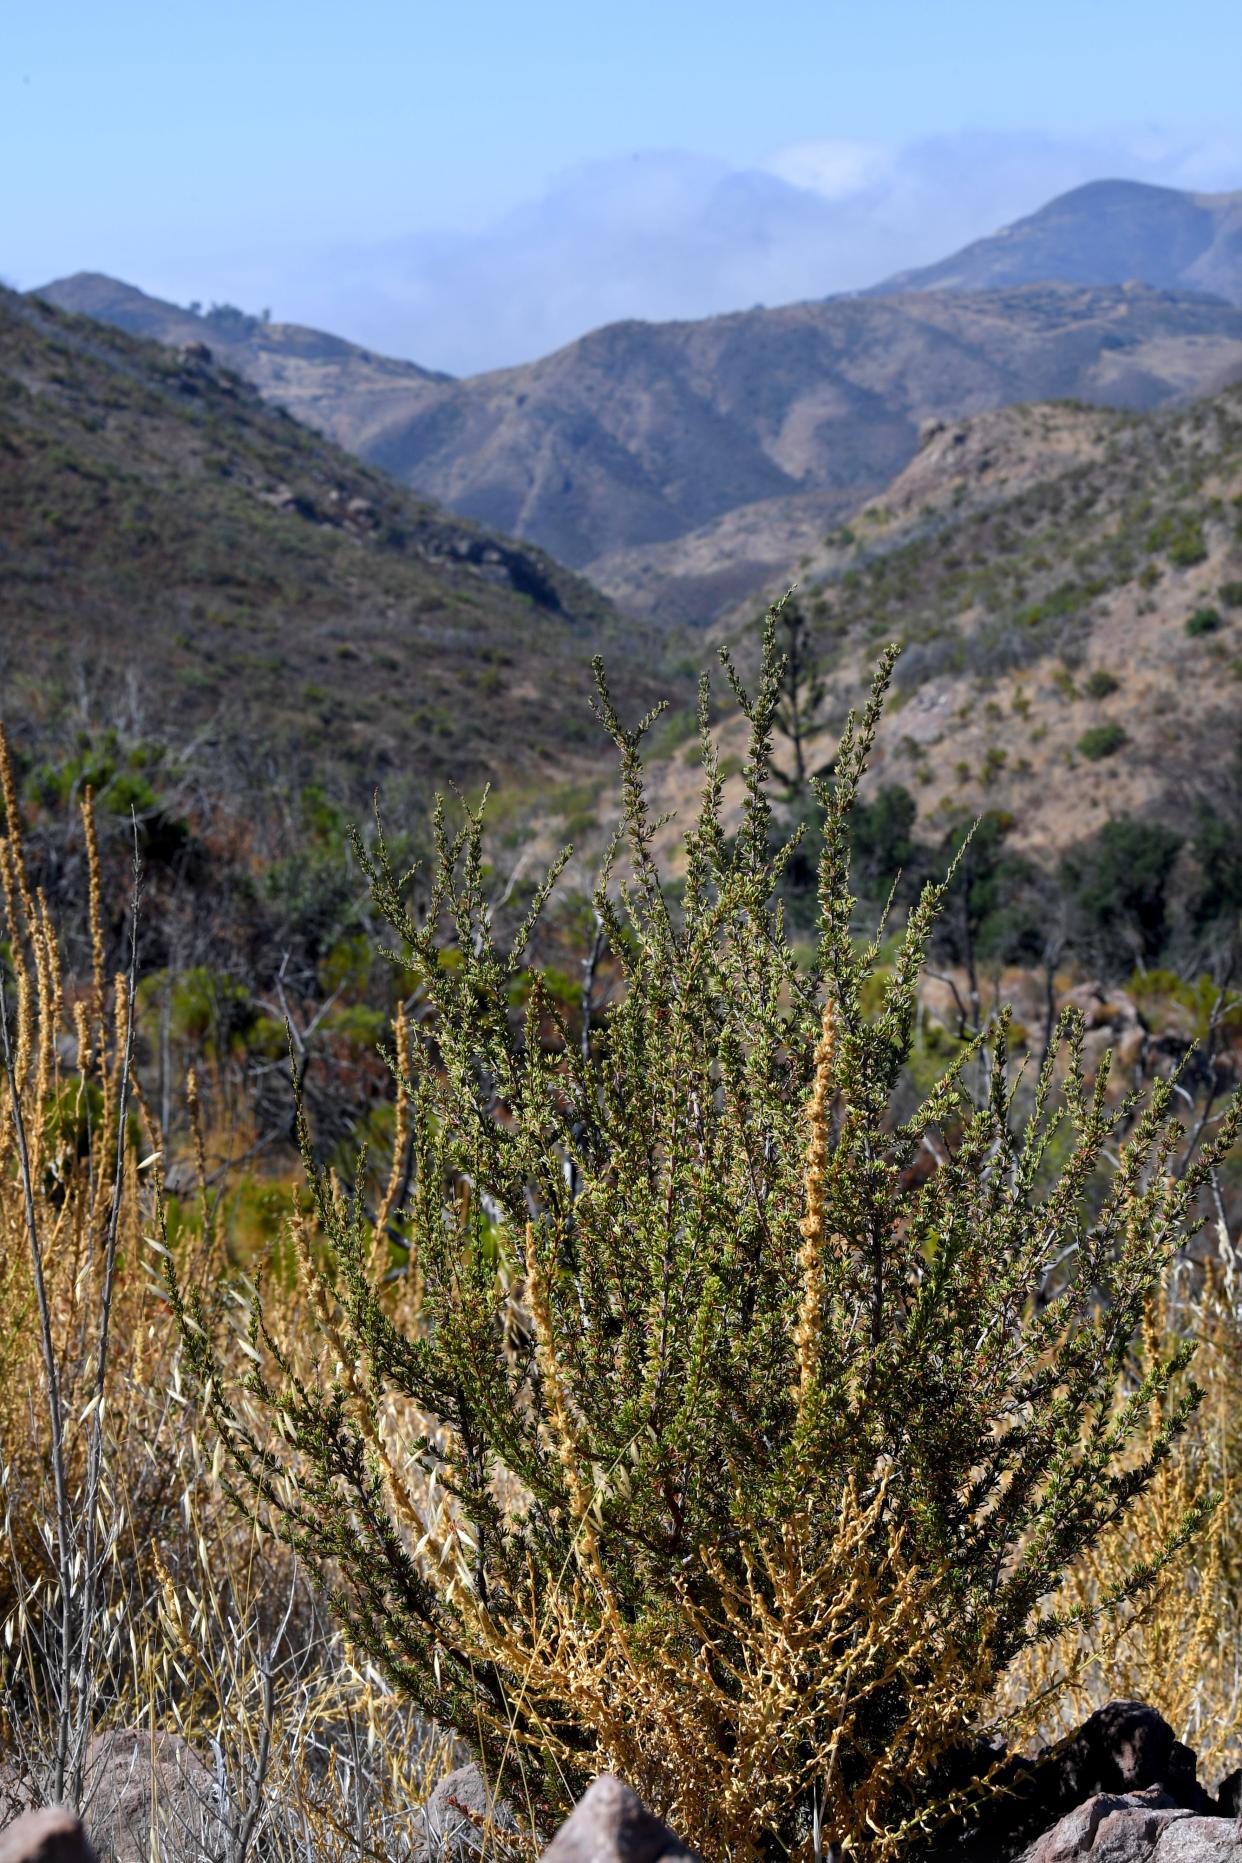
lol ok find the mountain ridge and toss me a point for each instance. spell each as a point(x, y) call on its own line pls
point(1105, 232)
point(681, 466)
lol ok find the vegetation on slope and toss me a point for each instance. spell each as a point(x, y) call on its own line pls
point(682, 465)
point(1066, 584)
point(180, 557)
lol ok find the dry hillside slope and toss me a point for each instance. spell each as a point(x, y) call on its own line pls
point(1067, 586)
point(682, 465)
point(181, 559)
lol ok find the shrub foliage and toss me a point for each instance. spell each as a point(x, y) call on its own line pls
point(729, 1425)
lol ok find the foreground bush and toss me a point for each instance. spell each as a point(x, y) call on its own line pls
point(731, 1425)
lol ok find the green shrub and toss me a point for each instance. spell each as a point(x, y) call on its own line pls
point(1118, 888)
point(1230, 594)
point(1180, 535)
point(1203, 621)
point(707, 1438)
point(1100, 683)
point(1102, 740)
point(1188, 548)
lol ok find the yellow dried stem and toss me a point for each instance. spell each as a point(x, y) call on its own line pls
point(94, 904)
point(13, 882)
point(56, 991)
point(555, 1408)
point(13, 832)
point(400, 1138)
point(82, 1037)
point(726, 1713)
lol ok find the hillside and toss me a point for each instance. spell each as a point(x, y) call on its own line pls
point(186, 562)
point(1067, 586)
point(683, 465)
point(1103, 234)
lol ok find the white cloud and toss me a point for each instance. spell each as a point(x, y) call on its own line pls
point(833, 168)
point(668, 234)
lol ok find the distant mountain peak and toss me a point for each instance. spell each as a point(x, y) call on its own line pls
point(1105, 232)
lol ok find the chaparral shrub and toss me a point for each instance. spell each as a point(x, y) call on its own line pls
point(1102, 740)
point(732, 1420)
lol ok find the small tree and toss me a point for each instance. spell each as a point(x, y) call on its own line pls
point(705, 1436)
point(1118, 885)
point(801, 689)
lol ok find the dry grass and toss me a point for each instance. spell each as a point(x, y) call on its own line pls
point(1181, 1648)
point(132, 1593)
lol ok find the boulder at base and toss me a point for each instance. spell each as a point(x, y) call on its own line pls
point(610, 1824)
point(53, 1835)
point(461, 1816)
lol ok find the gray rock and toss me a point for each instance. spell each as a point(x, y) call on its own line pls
point(1201, 1840)
point(50, 1836)
point(461, 1815)
point(1137, 1827)
point(610, 1824)
point(136, 1781)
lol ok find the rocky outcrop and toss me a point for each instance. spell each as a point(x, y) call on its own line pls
point(1121, 1779)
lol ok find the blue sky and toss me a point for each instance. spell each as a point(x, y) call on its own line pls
point(473, 183)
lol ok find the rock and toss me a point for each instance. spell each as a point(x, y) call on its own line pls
point(1201, 1840)
point(1123, 1759)
point(1124, 1824)
point(195, 352)
point(135, 1779)
point(1102, 1008)
point(1124, 1747)
point(610, 1824)
point(1137, 1827)
point(1112, 1020)
point(50, 1836)
point(460, 1815)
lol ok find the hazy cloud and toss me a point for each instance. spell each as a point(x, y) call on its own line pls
point(672, 234)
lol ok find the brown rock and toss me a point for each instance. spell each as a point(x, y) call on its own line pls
point(610, 1824)
point(53, 1835)
point(1102, 1008)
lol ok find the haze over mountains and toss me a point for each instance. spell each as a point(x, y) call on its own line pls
point(683, 466)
